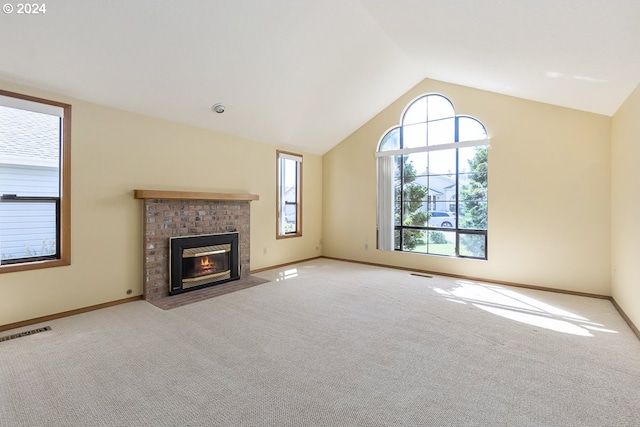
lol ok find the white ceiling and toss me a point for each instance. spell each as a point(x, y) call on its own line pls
point(305, 74)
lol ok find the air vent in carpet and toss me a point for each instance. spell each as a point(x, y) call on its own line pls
point(25, 333)
point(421, 275)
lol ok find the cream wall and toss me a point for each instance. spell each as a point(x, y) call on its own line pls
point(625, 207)
point(114, 152)
point(549, 189)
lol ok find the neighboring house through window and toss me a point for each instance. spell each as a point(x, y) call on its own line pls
point(432, 182)
point(289, 194)
point(34, 182)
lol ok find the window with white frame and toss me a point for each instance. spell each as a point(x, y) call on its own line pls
point(289, 194)
point(34, 182)
point(432, 182)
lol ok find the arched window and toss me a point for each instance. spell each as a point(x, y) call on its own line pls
point(432, 182)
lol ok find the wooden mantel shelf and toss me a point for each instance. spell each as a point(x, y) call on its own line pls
point(191, 195)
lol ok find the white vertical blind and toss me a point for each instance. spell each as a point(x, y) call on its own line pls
point(385, 203)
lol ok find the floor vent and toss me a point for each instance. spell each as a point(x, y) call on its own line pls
point(25, 333)
point(422, 275)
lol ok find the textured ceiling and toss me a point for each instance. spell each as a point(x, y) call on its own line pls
point(305, 74)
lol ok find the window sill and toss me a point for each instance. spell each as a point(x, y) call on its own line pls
point(288, 236)
point(34, 265)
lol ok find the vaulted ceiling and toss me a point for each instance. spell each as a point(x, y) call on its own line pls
point(305, 74)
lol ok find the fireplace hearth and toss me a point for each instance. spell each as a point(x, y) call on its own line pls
point(200, 261)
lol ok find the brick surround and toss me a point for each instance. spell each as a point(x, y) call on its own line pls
point(165, 218)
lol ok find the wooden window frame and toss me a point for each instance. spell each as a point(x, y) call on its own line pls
point(298, 232)
point(64, 235)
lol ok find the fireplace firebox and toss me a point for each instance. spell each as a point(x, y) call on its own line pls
point(202, 260)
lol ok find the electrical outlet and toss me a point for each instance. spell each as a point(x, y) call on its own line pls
point(366, 246)
point(264, 250)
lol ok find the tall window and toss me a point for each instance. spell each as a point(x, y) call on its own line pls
point(289, 194)
point(34, 182)
point(432, 182)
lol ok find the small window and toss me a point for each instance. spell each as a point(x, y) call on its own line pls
point(34, 182)
point(289, 194)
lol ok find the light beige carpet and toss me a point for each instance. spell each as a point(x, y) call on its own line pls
point(328, 343)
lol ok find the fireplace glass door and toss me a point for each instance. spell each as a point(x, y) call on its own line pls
point(200, 265)
point(202, 260)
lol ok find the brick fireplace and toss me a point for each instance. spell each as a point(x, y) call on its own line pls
point(169, 214)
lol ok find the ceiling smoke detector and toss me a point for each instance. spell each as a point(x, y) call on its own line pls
point(218, 108)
